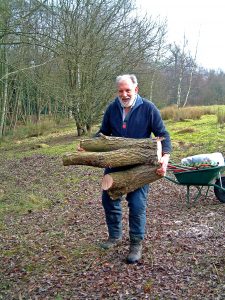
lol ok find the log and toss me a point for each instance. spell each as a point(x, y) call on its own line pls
point(109, 143)
point(116, 158)
point(123, 182)
point(104, 151)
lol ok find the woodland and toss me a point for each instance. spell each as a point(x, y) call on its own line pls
point(58, 64)
point(59, 58)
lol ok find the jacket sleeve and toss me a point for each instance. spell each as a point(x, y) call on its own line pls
point(159, 130)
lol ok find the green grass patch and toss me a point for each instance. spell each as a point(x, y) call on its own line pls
point(18, 202)
point(72, 179)
point(5, 285)
point(193, 137)
point(29, 140)
point(35, 267)
point(84, 250)
point(27, 148)
point(58, 297)
point(59, 149)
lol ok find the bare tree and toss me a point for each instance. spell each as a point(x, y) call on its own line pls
point(192, 69)
point(100, 40)
point(182, 64)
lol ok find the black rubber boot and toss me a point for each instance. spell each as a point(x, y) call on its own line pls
point(135, 252)
point(110, 243)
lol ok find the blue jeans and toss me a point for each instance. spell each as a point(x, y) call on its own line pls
point(137, 203)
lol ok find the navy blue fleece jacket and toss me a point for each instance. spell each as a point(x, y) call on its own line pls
point(143, 119)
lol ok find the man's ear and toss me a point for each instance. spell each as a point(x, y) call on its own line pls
point(136, 89)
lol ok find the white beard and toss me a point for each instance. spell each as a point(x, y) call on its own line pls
point(127, 104)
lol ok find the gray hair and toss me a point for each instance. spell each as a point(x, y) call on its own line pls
point(131, 77)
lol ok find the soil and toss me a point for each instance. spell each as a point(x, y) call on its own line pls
point(54, 253)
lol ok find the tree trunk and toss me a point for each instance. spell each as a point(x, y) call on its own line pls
point(115, 158)
point(152, 85)
point(123, 182)
point(193, 67)
point(89, 127)
point(5, 94)
point(81, 130)
point(179, 88)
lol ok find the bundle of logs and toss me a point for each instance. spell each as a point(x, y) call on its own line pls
point(137, 157)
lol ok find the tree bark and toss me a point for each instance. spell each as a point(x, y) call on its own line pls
point(115, 158)
point(108, 143)
point(123, 182)
point(193, 67)
point(5, 93)
point(139, 157)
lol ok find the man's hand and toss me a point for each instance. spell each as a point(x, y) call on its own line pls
point(79, 148)
point(164, 163)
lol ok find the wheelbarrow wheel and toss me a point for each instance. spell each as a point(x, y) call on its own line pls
point(220, 194)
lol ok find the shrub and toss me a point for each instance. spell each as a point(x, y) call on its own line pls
point(220, 118)
point(35, 129)
point(183, 113)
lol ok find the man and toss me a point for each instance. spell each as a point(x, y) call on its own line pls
point(131, 116)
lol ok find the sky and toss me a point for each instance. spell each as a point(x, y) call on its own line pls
point(201, 21)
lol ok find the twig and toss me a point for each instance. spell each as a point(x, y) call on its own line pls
point(217, 273)
point(27, 68)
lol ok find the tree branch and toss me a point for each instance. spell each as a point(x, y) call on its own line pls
point(27, 68)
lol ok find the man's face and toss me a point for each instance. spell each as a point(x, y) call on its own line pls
point(127, 92)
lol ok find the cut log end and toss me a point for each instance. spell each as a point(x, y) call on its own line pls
point(122, 182)
point(107, 182)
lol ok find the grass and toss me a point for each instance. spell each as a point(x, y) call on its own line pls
point(17, 202)
point(12, 147)
point(195, 130)
point(84, 250)
point(45, 126)
point(192, 137)
point(183, 113)
point(191, 112)
point(203, 134)
point(221, 118)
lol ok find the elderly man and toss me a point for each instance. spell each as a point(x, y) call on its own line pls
point(131, 116)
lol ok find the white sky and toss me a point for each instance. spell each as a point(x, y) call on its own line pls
point(198, 19)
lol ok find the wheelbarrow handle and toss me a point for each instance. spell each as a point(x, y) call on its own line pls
point(178, 168)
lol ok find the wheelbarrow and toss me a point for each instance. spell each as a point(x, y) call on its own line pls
point(198, 177)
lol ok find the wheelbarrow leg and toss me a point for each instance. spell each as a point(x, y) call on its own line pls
point(188, 196)
point(207, 191)
point(198, 194)
point(196, 197)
